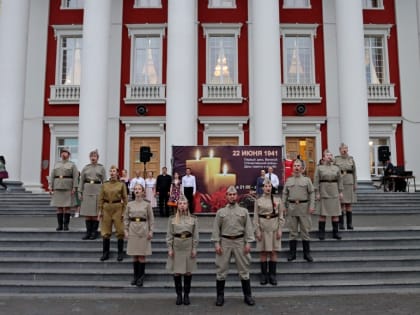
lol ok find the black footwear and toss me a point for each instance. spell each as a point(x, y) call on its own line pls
point(263, 277)
point(94, 230)
point(292, 252)
point(105, 249)
point(136, 265)
point(349, 217)
point(321, 230)
point(272, 266)
point(246, 289)
point(120, 244)
point(341, 221)
point(59, 221)
point(220, 287)
point(140, 279)
point(335, 231)
point(66, 221)
point(187, 288)
point(88, 224)
point(307, 251)
point(178, 289)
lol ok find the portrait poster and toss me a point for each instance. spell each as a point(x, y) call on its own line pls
point(218, 167)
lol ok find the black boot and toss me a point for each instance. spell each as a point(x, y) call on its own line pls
point(321, 230)
point(105, 250)
point(178, 289)
point(272, 266)
point(246, 289)
point(59, 221)
point(264, 267)
point(66, 221)
point(140, 280)
point(88, 224)
point(307, 251)
point(187, 288)
point(292, 253)
point(136, 265)
point(341, 221)
point(349, 217)
point(94, 230)
point(120, 245)
point(220, 287)
point(335, 231)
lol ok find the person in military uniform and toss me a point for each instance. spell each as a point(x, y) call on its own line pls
point(111, 203)
point(63, 182)
point(328, 186)
point(347, 167)
point(268, 223)
point(232, 235)
point(138, 229)
point(299, 200)
point(91, 179)
point(182, 241)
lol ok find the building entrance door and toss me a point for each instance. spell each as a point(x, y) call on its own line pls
point(135, 164)
point(305, 147)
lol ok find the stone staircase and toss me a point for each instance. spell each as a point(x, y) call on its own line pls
point(375, 257)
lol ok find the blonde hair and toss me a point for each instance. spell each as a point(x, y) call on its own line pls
point(177, 215)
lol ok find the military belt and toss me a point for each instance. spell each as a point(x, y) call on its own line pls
point(233, 237)
point(183, 235)
point(93, 182)
point(269, 216)
point(62, 176)
point(112, 201)
point(138, 219)
point(297, 201)
point(328, 181)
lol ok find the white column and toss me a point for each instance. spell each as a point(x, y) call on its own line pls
point(265, 102)
point(181, 93)
point(94, 82)
point(14, 20)
point(353, 105)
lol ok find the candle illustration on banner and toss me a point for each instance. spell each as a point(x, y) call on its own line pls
point(224, 179)
point(213, 168)
point(198, 169)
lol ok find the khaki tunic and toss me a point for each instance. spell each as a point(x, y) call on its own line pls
point(63, 178)
point(268, 227)
point(182, 262)
point(347, 167)
point(232, 220)
point(91, 179)
point(112, 201)
point(299, 197)
point(138, 244)
point(328, 183)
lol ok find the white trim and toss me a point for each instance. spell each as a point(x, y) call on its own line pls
point(221, 29)
point(147, 29)
point(378, 29)
point(298, 29)
point(223, 126)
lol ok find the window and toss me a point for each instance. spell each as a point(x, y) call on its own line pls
point(72, 4)
point(373, 4)
point(222, 4)
point(147, 3)
point(296, 4)
point(375, 59)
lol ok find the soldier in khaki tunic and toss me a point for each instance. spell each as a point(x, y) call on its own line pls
point(63, 184)
point(91, 179)
point(232, 234)
point(138, 228)
point(299, 200)
point(182, 241)
point(348, 173)
point(112, 202)
point(268, 223)
point(328, 186)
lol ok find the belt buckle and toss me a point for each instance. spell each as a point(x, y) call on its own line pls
point(268, 216)
point(183, 236)
point(344, 172)
point(61, 176)
point(138, 220)
point(297, 202)
point(92, 182)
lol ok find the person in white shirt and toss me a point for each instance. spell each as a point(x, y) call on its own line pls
point(189, 187)
point(274, 180)
point(134, 181)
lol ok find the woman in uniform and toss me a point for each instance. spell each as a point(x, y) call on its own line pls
point(348, 173)
point(63, 182)
point(268, 223)
point(138, 230)
point(111, 203)
point(182, 241)
point(328, 186)
point(91, 179)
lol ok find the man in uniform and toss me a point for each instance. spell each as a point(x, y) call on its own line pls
point(232, 235)
point(163, 186)
point(299, 200)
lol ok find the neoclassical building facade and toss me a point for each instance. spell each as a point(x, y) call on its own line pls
point(115, 75)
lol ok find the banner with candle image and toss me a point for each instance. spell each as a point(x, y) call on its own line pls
point(218, 167)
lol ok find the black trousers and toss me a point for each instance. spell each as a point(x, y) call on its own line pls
point(188, 193)
point(163, 203)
